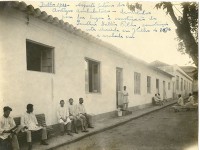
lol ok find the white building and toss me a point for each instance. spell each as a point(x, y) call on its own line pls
point(44, 60)
point(182, 82)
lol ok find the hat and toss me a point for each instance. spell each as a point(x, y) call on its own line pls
point(7, 108)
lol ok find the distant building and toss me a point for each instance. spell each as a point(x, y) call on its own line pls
point(182, 82)
point(44, 60)
point(193, 73)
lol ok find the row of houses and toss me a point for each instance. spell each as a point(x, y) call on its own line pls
point(44, 60)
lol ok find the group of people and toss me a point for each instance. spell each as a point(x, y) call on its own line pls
point(29, 124)
point(69, 116)
point(190, 102)
point(158, 99)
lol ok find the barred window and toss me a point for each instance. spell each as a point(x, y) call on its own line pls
point(148, 84)
point(177, 82)
point(137, 78)
point(92, 76)
point(39, 57)
point(157, 85)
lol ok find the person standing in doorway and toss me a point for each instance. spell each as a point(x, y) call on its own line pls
point(125, 99)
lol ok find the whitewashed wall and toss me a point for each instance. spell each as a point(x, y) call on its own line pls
point(20, 86)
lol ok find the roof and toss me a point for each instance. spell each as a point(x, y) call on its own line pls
point(158, 63)
point(161, 71)
point(190, 70)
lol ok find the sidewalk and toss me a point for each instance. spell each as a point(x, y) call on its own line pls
point(100, 126)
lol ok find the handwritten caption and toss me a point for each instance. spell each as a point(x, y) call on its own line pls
point(108, 19)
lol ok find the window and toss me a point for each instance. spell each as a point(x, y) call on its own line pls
point(189, 87)
point(181, 84)
point(157, 85)
point(177, 82)
point(148, 84)
point(92, 76)
point(184, 84)
point(169, 85)
point(136, 83)
point(39, 57)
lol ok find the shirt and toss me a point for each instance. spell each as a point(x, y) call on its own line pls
point(125, 96)
point(6, 123)
point(72, 110)
point(191, 99)
point(29, 120)
point(62, 112)
point(180, 101)
point(81, 109)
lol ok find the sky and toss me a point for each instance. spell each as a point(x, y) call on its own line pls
point(149, 46)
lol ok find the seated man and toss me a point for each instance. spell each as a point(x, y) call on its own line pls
point(158, 95)
point(180, 101)
point(8, 128)
point(157, 100)
point(63, 118)
point(30, 124)
point(83, 114)
point(190, 101)
point(73, 114)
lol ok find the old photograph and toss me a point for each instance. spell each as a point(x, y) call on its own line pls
point(99, 75)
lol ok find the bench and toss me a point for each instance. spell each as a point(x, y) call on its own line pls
point(41, 121)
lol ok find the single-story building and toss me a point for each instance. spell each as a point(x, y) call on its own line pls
point(182, 82)
point(44, 60)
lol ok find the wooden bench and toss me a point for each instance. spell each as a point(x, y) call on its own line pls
point(41, 121)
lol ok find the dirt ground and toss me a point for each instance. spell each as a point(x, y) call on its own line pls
point(161, 130)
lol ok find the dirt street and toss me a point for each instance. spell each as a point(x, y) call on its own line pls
point(161, 130)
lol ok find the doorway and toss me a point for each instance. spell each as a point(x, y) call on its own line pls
point(119, 86)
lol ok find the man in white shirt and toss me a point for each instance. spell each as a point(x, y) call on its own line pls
point(83, 114)
point(63, 118)
point(30, 124)
point(190, 101)
point(180, 101)
point(157, 100)
point(8, 128)
point(74, 116)
point(125, 98)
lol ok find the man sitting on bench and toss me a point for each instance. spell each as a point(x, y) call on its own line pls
point(63, 118)
point(83, 114)
point(190, 102)
point(157, 100)
point(30, 124)
point(73, 115)
point(180, 101)
point(8, 128)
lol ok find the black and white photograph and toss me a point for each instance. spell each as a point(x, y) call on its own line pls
point(99, 75)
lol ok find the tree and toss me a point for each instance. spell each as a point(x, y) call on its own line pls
point(187, 25)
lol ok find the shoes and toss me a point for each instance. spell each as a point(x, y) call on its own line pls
point(43, 142)
point(76, 132)
point(90, 127)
